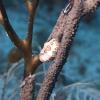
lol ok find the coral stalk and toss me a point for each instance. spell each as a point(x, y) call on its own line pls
point(68, 29)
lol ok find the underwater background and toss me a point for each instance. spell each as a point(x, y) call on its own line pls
point(80, 77)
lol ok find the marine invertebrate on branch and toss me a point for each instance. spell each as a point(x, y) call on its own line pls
point(49, 50)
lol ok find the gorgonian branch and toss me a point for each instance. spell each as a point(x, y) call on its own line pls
point(58, 28)
point(10, 31)
point(67, 24)
point(23, 46)
point(31, 6)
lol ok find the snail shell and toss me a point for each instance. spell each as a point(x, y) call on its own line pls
point(49, 50)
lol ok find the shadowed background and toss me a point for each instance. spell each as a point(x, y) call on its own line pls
point(80, 77)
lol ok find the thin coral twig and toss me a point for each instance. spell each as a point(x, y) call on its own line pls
point(24, 46)
point(31, 6)
point(10, 31)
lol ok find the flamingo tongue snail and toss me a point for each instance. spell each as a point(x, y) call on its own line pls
point(49, 50)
